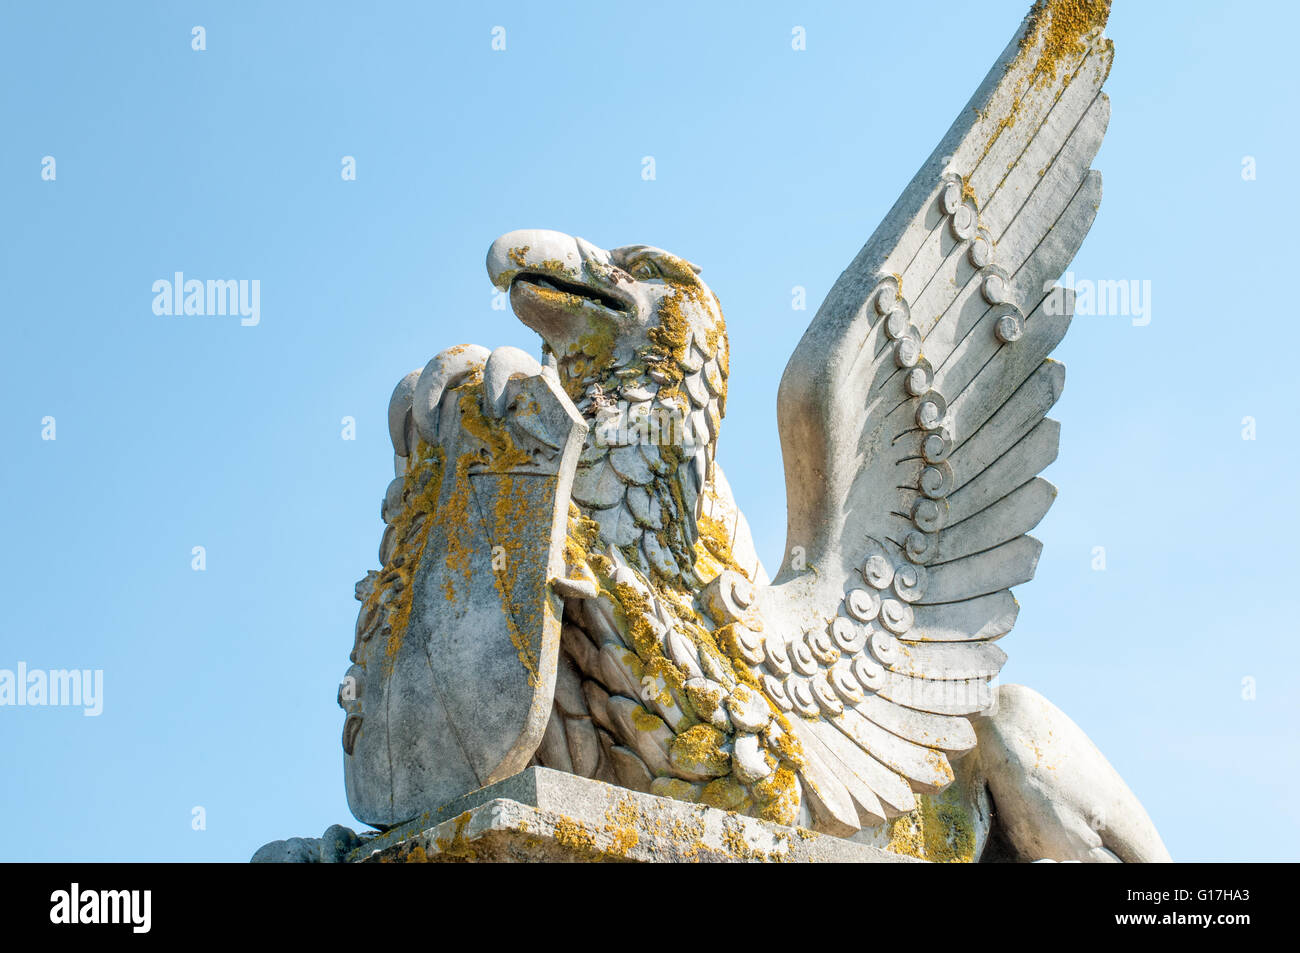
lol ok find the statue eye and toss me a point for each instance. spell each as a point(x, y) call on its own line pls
point(644, 269)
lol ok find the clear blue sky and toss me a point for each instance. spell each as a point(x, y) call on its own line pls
point(773, 167)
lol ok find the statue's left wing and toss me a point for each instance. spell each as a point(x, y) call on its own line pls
point(912, 419)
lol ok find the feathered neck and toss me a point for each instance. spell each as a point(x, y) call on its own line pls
point(644, 472)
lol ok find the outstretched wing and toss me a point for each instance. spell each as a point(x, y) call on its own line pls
point(913, 429)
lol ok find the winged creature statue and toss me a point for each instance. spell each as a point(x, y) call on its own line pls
point(567, 580)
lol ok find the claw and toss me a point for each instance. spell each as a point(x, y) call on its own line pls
point(443, 372)
point(502, 365)
point(399, 405)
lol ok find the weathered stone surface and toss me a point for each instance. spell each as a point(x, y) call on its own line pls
point(838, 695)
point(543, 815)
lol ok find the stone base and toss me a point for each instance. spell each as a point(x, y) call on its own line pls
point(543, 815)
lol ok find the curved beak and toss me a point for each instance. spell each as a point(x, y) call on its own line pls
point(558, 283)
point(536, 250)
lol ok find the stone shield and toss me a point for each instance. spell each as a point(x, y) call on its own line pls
point(459, 638)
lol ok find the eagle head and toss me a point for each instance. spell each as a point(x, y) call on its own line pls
point(635, 315)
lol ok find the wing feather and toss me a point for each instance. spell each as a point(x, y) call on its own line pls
point(945, 732)
point(985, 618)
point(828, 798)
point(1002, 521)
point(849, 764)
point(927, 770)
point(938, 697)
point(892, 791)
point(998, 568)
point(947, 660)
point(1023, 410)
point(1026, 458)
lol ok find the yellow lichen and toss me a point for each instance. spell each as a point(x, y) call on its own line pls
point(441, 504)
point(1057, 33)
point(569, 833)
point(672, 334)
point(715, 541)
point(621, 826)
point(392, 593)
point(725, 793)
point(700, 747)
point(941, 829)
point(457, 846)
point(677, 789)
point(1063, 26)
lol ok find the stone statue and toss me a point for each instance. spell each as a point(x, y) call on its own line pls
point(568, 582)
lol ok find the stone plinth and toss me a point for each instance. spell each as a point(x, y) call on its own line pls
point(545, 815)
